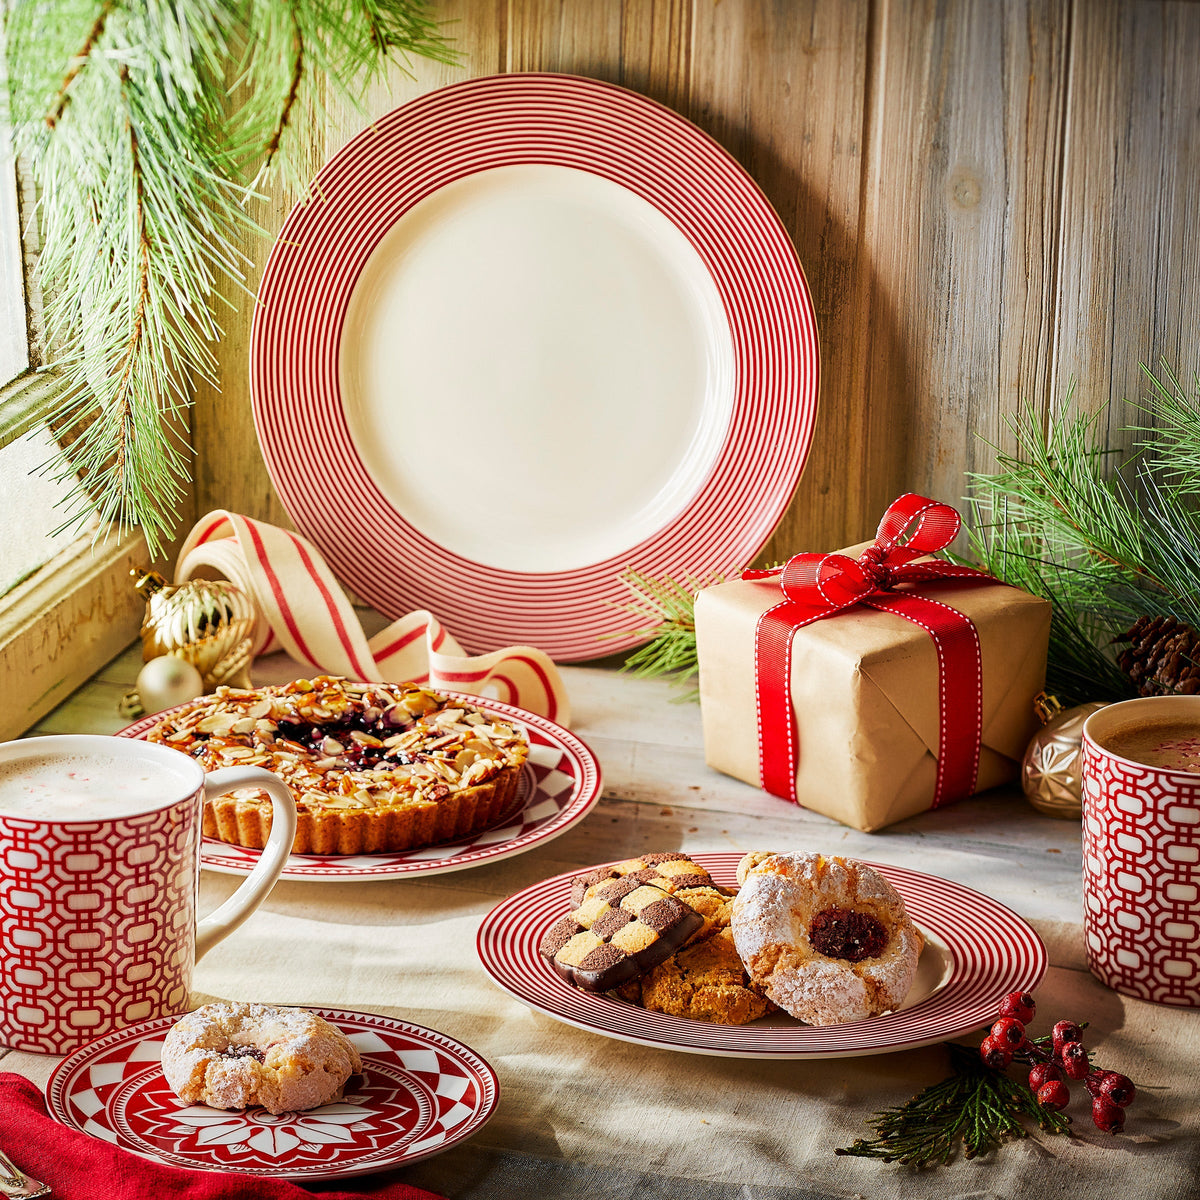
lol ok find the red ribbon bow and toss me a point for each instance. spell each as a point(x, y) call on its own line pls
point(821, 585)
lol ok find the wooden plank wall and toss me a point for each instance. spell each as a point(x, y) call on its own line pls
point(990, 198)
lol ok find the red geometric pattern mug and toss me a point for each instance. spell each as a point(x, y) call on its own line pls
point(98, 893)
point(1141, 861)
point(100, 926)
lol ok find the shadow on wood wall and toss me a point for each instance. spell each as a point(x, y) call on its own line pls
point(989, 200)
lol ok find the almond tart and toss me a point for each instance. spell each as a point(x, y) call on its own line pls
point(374, 767)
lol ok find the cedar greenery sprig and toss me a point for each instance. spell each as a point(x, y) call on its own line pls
point(665, 610)
point(976, 1108)
point(1106, 541)
point(147, 127)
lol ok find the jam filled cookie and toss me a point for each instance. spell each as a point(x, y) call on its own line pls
point(374, 767)
point(241, 1055)
point(827, 939)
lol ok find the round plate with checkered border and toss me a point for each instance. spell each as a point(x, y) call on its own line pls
point(419, 1093)
point(976, 952)
point(559, 786)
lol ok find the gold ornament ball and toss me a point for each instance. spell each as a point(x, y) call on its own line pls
point(1050, 772)
point(167, 681)
point(208, 622)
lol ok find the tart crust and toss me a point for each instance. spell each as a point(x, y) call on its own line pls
point(374, 768)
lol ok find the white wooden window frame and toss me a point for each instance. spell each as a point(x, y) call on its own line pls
point(78, 611)
point(74, 614)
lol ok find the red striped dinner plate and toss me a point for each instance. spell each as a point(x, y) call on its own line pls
point(977, 951)
point(529, 331)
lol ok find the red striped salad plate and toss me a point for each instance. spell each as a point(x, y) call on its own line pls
point(976, 952)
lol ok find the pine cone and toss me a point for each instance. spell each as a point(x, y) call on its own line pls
point(1162, 658)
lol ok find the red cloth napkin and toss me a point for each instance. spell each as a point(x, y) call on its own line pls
point(79, 1167)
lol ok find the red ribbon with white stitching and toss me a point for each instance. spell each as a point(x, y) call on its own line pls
point(304, 611)
point(817, 586)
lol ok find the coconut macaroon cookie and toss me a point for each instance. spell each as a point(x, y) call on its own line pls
point(826, 938)
point(242, 1055)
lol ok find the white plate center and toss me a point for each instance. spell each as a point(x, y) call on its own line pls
point(534, 331)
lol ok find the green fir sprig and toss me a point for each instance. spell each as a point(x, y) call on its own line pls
point(976, 1108)
point(1105, 539)
point(665, 613)
point(147, 128)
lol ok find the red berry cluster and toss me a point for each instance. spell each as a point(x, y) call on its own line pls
point(1064, 1057)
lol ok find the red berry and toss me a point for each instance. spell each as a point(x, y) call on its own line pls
point(1093, 1082)
point(1108, 1117)
point(1075, 1060)
point(1064, 1032)
point(1019, 1005)
point(1117, 1089)
point(995, 1053)
point(1010, 1031)
point(1054, 1095)
point(1042, 1073)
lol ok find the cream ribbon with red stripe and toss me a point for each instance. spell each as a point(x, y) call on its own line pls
point(303, 610)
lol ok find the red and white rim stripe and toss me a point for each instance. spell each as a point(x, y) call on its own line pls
point(546, 814)
point(992, 952)
point(404, 157)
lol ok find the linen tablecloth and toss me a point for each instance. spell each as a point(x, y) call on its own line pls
point(582, 1115)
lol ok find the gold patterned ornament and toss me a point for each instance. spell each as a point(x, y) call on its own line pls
point(208, 623)
point(1050, 772)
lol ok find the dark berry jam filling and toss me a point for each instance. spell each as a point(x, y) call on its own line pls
point(243, 1052)
point(357, 755)
point(846, 934)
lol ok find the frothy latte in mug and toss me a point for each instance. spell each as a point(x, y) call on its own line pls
point(92, 786)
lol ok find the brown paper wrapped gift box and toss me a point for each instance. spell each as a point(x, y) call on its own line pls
point(864, 690)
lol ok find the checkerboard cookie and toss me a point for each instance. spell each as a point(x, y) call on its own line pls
point(620, 929)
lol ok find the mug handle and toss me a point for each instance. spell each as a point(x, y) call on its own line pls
point(221, 923)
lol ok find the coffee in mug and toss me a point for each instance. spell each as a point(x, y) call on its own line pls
point(1174, 745)
point(99, 870)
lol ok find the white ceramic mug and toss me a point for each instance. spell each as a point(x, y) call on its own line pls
point(99, 870)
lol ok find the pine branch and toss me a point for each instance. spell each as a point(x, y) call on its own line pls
point(665, 614)
point(1104, 542)
point(141, 154)
point(77, 64)
point(975, 1108)
point(289, 102)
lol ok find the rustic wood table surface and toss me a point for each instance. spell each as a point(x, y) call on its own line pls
point(581, 1115)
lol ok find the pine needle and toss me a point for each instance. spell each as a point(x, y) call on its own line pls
point(146, 162)
point(664, 610)
point(976, 1109)
point(1105, 541)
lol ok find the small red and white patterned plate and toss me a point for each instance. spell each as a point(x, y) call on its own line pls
point(529, 331)
point(559, 787)
point(420, 1092)
point(976, 952)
